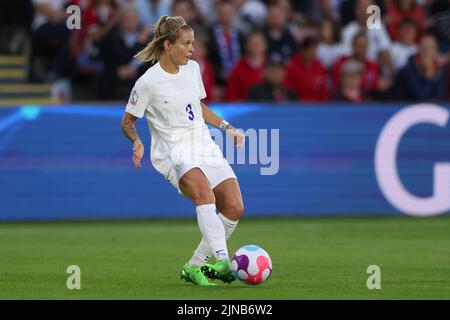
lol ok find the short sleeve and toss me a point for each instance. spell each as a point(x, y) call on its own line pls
point(201, 87)
point(139, 99)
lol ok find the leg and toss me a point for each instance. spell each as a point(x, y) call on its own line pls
point(229, 199)
point(195, 186)
point(229, 203)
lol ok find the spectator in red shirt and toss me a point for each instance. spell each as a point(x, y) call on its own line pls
point(100, 16)
point(249, 69)
point(371, 75)
point(305, 75)
point(398, 10)
point(206, 69)
point(98, 19)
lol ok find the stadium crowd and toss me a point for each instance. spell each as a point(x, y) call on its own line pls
point(251, 50)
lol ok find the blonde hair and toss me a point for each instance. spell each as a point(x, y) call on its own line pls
point(167, 28)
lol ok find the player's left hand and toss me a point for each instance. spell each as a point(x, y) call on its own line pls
point(237, 135)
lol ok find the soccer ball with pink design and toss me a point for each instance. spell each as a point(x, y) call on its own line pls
point(251, 264)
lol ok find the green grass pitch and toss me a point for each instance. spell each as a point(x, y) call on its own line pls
point(313, 258)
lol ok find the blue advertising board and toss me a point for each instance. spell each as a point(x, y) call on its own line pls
point(73, 162)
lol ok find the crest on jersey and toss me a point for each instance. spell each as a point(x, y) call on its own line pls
point(134, 97)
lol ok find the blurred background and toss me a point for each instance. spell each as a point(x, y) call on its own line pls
point(311, 69)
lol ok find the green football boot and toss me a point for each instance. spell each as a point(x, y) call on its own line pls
point(195, 275)
point(221, 270)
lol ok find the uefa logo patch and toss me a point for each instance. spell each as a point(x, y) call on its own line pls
point(134, 97)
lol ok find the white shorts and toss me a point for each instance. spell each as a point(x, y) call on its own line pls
point(214, 174)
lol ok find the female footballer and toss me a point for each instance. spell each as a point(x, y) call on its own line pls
point(169, 94)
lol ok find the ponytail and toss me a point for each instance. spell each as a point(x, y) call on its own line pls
point(166, 29)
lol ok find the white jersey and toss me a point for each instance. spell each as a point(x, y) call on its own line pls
point(171, 103)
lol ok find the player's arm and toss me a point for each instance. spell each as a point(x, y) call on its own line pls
point(214, 120)
point(128, 126)
point(210, 117)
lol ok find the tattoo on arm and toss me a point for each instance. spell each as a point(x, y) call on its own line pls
point(128, 127)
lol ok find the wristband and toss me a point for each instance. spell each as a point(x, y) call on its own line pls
point(224, 125)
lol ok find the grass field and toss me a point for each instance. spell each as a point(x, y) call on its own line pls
point(313, 258)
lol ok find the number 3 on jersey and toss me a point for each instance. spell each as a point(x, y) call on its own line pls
point(189, 111)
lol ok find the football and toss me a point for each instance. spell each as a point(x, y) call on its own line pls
point(251, 264)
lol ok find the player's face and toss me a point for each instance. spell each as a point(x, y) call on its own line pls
point(181, 51)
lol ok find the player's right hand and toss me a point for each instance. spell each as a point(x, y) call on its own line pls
point(138, 153)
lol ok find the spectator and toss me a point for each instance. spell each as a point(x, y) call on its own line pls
point(249, 69)
point(50, 37)
point(200, 55)
point(188, 10)
point(421, 79)
point(272, 89)
point(378, 39)
point(118, 50)
point(207, 10)
point(225, 49)
point(330, 10)
point(281, 42)
point(311, 12)
point(371, 80)
point(405, 47)
point(305, 75)
point(399, 10)
point(251, 15)
point(350, 89)
point(98, 19)
point(329, 49)
point(150, 10)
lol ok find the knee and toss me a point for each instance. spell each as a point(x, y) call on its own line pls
point(204, 196)
point(233, 211)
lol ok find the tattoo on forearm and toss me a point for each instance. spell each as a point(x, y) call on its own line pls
point(129, 129)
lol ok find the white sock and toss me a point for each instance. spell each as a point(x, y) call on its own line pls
point(228, 224)
point(212, 229)
point(203, 251)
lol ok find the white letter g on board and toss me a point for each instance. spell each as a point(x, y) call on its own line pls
point(386, 163)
